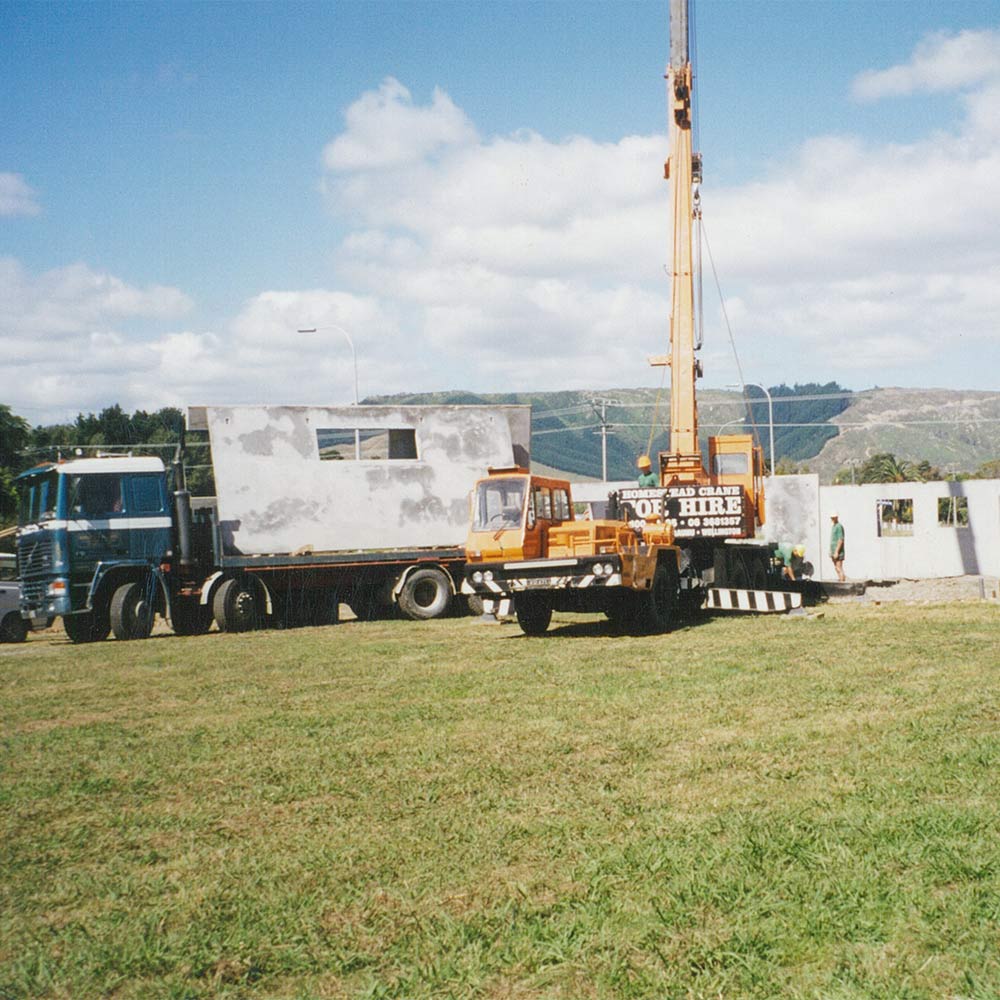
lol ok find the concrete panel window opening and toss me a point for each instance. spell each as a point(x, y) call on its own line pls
point(367, 444)
point(953, 512)
point(894, 518)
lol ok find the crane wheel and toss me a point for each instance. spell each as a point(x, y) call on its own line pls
point(657, 607)
point(533, 612)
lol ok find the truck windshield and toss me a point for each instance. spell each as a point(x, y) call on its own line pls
point(499, 504)
point(95, 495)
point(38, 496)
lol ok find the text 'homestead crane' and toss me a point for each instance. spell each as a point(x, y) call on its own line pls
point(667, 549)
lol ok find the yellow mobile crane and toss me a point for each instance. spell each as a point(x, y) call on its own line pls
point(683, 544)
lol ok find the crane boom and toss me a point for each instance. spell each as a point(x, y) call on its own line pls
point(683, 170)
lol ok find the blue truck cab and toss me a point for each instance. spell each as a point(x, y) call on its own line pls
point(94, 534)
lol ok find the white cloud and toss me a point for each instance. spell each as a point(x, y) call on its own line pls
point(941, 62)
point(16, 196)
point(515, 262)
point(83, 323)
point(386, 129)
point(65, 302)
point(522, 250)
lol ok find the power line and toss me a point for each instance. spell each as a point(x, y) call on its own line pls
point(820, 423)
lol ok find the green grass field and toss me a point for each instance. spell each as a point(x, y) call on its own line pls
point(749, 807)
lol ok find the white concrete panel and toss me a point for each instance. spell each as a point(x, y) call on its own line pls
point(925, 549)
point(276, 495)
point(791, 508)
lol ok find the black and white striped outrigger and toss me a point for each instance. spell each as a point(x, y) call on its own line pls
point(760, 601)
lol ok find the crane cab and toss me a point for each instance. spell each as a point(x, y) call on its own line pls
point(512, 513)
point(734, 460)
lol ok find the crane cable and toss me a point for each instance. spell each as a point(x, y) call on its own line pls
point(732, 339)
point(656, 410)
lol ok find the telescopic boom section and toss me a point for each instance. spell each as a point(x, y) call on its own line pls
point(684, 457)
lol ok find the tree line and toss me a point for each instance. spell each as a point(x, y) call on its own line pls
point(885, 467)
point(112, 430)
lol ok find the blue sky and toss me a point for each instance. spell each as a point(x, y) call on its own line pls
point(474, 191)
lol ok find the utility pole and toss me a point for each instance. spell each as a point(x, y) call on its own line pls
point(602, 415)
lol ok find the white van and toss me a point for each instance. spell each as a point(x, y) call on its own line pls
point(13, 628)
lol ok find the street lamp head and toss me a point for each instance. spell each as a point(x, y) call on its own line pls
point(350, 343)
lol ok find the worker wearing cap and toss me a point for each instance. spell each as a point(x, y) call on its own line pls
point(837, 546)
point(646, 475)
point(792, 559)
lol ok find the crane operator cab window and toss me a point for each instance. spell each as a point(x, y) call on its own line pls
point(499, 504)
point(732, 464)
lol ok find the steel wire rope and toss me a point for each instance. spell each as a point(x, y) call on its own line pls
point(729, 330)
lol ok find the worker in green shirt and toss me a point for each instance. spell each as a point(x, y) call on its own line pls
point(646, 475)
point(792, 559)
point(837, 546)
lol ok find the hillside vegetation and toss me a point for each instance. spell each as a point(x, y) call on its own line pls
point(566, 426)
point(817, 428)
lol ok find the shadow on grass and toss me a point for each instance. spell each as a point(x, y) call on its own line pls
point(602, 628)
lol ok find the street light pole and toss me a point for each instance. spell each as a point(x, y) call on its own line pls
point(770, 414)
point(354, 358)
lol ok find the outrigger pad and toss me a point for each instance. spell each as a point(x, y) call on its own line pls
point(761, 601)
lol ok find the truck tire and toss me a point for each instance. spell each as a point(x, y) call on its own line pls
point(657, 608)
point(425, 594)
point(620, 611)
point(533, 612)
point(133, 610)
point(13, 628)
point(88, 626)
point(237, 606)
point(190, 617)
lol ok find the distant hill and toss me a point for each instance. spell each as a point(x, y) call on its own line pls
point(819, 428)
point(954, 430)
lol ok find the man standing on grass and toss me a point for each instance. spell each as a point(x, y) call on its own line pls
point(837, 546)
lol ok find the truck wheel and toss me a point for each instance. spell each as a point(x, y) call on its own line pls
point(620, 611)
point(132, 610)
point(236, 606)
point(533, 613)
point(425, 594)
point(658, 606)
point(89, 626)
point(189, 617)
point(13, 628)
